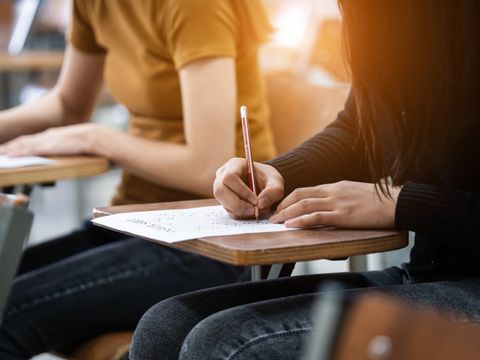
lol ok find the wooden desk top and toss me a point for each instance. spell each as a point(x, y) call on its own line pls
point(66, 167)
point(279, 247)
point(31, 60)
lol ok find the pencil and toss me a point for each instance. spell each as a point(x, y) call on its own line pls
point(248, 153)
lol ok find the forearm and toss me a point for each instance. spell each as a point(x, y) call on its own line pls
point(71, 101)
point(178, 166)
point(30, 118)
point(209, 119)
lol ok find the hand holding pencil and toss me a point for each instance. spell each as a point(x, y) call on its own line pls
point(247, 189)
point(248, 154)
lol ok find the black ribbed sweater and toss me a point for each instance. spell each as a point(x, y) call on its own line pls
point(441, 203)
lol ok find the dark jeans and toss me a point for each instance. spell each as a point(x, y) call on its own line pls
point(94, 281)
point(269, 320)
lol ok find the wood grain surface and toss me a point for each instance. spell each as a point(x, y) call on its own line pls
point(279, 247)
point(66, 167)
point(32, 60)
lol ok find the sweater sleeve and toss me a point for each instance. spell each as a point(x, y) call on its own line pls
point(438, 211)
point(332, 155)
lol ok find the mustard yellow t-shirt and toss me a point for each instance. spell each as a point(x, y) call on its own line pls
point(146, 42)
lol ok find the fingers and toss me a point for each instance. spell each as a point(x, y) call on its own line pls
point(231, 191)
point(27, 145)
point(323, 218)
point(235, 206)
point(301, 194)
point(21, 146)
point(300, 208)
point(235, 195)
point(272, 193)
point(4, 148)
point(232, 178)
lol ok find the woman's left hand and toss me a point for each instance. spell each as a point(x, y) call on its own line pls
point(64, 140)
point(344, 204)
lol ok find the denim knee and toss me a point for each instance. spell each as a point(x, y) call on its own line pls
point(160, 332)
point(244, 333)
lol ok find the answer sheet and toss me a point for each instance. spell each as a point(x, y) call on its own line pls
point(177, 225)
point(7, 162)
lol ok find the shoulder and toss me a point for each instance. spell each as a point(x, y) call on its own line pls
point(198, 8)
point(85, 6)
point(197, 4)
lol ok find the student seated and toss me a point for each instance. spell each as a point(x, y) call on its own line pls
point(404, 153)
point(181, 67)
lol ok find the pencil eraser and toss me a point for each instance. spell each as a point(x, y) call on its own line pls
point(243, 111)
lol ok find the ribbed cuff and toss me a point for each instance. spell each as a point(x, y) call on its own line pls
point(429, 209)
point(294, 170)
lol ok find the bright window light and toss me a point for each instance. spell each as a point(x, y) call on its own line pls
point(26, 13)
point(291, 23)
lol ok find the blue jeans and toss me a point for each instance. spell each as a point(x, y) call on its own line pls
point(269, 320)
point(92, 282)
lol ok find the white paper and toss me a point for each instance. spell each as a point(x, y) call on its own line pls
point(7, 162)
point(177, 225)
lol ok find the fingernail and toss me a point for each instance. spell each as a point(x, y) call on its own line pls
point(274, 219)
point(263, 202)
point(252, 199)
point(249, 211)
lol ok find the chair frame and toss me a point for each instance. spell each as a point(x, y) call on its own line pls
point(15, 225)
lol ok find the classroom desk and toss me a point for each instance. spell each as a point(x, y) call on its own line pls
point(26, 61)
point(66, 167)
point(31, 61)
point(275, 248)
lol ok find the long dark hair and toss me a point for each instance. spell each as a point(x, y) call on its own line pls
point(415, 70)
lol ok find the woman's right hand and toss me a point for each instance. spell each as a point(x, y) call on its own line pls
point(232, 191)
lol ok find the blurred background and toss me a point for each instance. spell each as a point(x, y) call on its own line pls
point(306, 76)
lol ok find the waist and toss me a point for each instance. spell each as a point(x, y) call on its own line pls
point(136, 190)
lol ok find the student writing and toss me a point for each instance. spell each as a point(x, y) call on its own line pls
point(403, 153)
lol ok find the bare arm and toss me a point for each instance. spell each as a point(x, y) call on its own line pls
point(70, 101)
point(209, 101)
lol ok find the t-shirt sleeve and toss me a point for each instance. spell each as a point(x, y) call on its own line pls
point(81, 34)
point(197, 29)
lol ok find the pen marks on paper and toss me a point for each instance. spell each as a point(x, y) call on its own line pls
point(151, 225)
point(210, 220)
point(177, 225)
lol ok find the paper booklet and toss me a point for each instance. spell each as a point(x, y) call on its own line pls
point(7, 162)
point(177, 225)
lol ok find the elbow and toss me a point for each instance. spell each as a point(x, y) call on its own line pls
point(206, 165)
point(204, 184)
point(72, 114)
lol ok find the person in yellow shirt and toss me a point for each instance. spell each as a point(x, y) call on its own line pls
point(182, 68)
